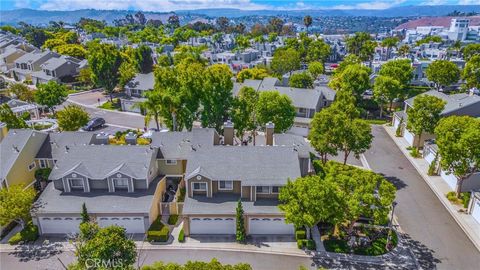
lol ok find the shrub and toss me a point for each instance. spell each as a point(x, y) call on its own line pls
point(158, 232)
point(336, 245)
point(181, 236)
point(172, 219)
point(398, 132)
point(432, 169)
point(300, 234)
point(181, 196)
point(300, 244)
point(414, 152)
point(452, 196)
point(28, 234)
point(310, 244)
point(466, 199)
point(42, 174)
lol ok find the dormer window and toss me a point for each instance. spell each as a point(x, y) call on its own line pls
point(76, 183)
point(225, 185)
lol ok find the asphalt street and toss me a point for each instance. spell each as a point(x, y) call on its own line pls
point(258, 261)
point(436, 239)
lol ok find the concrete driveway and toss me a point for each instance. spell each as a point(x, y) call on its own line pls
point(434, 236)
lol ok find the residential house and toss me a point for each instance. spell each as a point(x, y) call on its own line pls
point(28, 63)
point(306, 101)
point(8, 56)
point(57, 69)
point(20, 107)
point(135, 90)
point(17, 152)
point(474, 206)
point(455, 104)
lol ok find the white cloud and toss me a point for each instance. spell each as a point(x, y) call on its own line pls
point(468, 2)
point(433, 2)
point(148, 5)
point(371, 5)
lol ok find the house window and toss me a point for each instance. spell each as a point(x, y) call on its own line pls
point(31, 166)
point(43, 163)
point(120, 182)
point(225, 185)
point(171, 162)
point(263, 189)
point(76, 183)
point(276, 189)
point(199, 186)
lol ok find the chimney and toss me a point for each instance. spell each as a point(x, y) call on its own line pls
point(102, 138)
point(269, 129)
point(131, 138)
point(228, 133)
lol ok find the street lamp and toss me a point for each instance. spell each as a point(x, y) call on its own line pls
point(387, 246)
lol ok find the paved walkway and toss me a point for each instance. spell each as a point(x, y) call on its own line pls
point(468, 224)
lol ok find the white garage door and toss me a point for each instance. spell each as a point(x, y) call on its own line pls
point(476, 210)
point(270, 226)
point(59, 225)
point(212, 225)
point(131, 224)
point(408, 136)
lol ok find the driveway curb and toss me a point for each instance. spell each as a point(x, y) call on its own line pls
point(440, 196)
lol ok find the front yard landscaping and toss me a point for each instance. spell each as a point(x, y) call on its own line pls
point(28, 234)
point(158, 232)
point(365, 240)
point(172, 219)
point(464, 200)
point(111, 105)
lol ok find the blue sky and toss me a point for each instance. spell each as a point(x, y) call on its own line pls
point(168, 5)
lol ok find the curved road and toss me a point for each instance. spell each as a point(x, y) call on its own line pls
point(436, 239)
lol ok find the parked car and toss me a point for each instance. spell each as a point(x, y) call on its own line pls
point(94, 123)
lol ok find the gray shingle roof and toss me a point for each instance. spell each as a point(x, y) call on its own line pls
point(253, 165)
point(142, 82)
point(11, 147)
point(453, 102)
point(178, 145)
point(54, 145)
point(300, 143)
point(100, 161)
point(56, 201)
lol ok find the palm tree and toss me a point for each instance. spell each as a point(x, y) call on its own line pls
point(389, 43)
point(404, 50)
point(307, 20)
point(152, 107)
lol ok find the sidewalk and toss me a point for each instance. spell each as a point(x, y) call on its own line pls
point(440, 188)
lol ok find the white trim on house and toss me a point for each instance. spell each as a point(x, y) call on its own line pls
point(123, 185)
point(69, 181)
point(194, 189)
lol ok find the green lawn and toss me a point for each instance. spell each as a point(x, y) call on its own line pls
point(115, 105)
point(377, 121)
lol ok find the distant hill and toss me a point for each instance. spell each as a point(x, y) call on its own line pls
point(435, 21)
point(43, 17)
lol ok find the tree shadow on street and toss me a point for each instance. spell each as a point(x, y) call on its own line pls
point(425, 256)
point(397, 182)
point(36, 252)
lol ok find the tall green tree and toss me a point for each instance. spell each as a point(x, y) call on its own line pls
point(354, 78)
point(361, 44)
point(357, 138)
point(217, 96)
point(51, 94)
point(458, 140)
point(301, 80)
point(10, 119)
point(15, 204)
point(400, 70)
point(471, 72)
point(307, 21)
point(424, 115)
point(471, 50)
point(276, 108)
point(442, 73)
point(22, 92)
point(104, 61)
point(322, 135)
point(240, 223)
point(316, 68)
point(143, 55)
point(404, 50)
point(243, 113)
point(285, 61)
point(385, 91)
point(389, 43)
point(84, 214)
point(255, 73)
point(152, 106)
point(104, 244)
point(72, 118)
